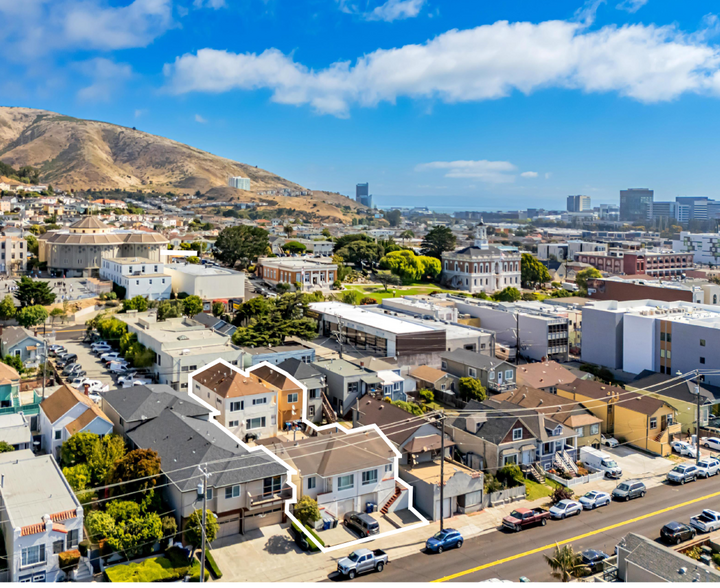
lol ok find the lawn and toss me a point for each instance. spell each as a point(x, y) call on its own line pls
point(378, 292)
point(171, 567)
point(535, 490)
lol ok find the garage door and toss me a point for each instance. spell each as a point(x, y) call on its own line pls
point(263, 519)
point(344, 506)
point(228, 526)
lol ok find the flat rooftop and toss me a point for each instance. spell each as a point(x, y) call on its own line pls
point(298, 262)
point(430, 471)
point(197, 269)
point(133, 260)
point(367, 318)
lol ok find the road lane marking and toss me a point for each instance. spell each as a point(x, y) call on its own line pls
point(576, 538)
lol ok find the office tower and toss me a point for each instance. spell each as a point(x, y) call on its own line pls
point(634, 203)
point(578, 203)
point(239, 182)
point(363, 196)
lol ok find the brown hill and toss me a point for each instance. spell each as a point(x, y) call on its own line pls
point(86, 154)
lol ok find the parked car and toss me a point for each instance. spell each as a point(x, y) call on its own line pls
point(594, 499)
point(361, 561)
point(70, 368)
point(707, 521)
point(593, 557)
point(77, 383)
point(363, 524)
point(127, 376)
point(525, 517)
point(136, 382)
point(676, 533)
point(54, 350)
point(66, 359)
point(99, 343)
point(684, 448)
point(609, 441)
point(102, 349)
point(117, 365)
point(708, 467)
point(444, 539)
point(682, 473)
point(76, 374)
point(109, 356)
point(629, 490)
point(711, 443)
point(566, 508)
point(595, 459)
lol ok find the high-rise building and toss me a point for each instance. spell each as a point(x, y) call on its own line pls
point(691, 208)
point(657, 210)
point(634, 203)
point(578, 203)
point(239, 182)
point(363, 196)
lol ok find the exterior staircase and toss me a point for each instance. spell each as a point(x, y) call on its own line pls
point(330, 414)
point(534, 472)
point(83, 573)
point(563, 464)
point(384, 510)
point(659, 436)
point(569, 462)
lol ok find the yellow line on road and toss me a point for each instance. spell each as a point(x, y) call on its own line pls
point(577, 538)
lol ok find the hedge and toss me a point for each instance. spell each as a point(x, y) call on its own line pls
point(68, 559)
point(211, 565)
point(172, 567)
point(313, 547)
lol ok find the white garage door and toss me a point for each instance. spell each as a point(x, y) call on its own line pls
point(263, 519)
point(344, 506)
point(228, 526)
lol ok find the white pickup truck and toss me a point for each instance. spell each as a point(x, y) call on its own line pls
point(707, 521)
point(361, 561)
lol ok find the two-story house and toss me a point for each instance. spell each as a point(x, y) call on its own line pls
point(67, 412)
point(545, 375)
point(495, 374)
point(345, 382)
point(383, 378)
point(313, 380)
point(291, 396)
point(42, 517)
point(9, 387)
point(247, 406)
point(343, 472)
point(20, 342)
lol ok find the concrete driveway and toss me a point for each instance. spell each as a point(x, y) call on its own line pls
point(636, 465)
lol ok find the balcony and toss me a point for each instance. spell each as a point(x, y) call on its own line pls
point(260, 499)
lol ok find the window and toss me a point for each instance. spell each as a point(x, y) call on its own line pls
point(389, 467)
point(58, 434)
point(508, 374)
point(262, 400)
point(33, 555)
point(315, 393)
point(472, 372)
point(58, 546)
point(547, 448)
point(517, 434)
point(653, 423)
point(595, 429)
point(668, 354)
point(670, 420)
point(232, 492)
point(311, 481)
point(292, 398)
point(209, 494)
point(491, 375)
point(509, 459)
point(233, 424)
point(396, 386)
point(580, 431)
point(236, 406)
point(662, 336)
point(369, 477)
point(443, 364)
point(311, 411)
point(73, 538)
point(662, 353)
point(346, 482)
point(272, 485)
point(256, 423)
point(702, 360)
point(702, 342)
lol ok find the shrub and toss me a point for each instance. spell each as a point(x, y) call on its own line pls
point(511, 476)
point(492, 484)
point(69, 559)
point(471, 389)
point(427, 395)
point(561, 493)
point(307, 511)
point(83, 547)
point(211, 565)
point(312, 545)
point(368, 300)
point(169, 530)
point(337, 285)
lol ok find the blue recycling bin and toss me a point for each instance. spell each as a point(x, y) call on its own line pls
point(369, 507)
point(326, 524)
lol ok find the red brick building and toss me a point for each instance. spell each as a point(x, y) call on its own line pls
point(649, 263)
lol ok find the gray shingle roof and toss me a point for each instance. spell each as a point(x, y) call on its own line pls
point(299, 369)
point(473, 359)
point(183, 443)
point(670, 387)
point(14, 335)
point(147, 402)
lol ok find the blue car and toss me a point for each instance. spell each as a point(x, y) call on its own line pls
point(444, 540)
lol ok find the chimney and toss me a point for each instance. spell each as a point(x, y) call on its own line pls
point(472, 423)
point(87, 389)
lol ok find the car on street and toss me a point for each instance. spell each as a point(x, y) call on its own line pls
point(609, 441)
point(361, 561)
point(592, 558)
point(594, 499)
point(117, 365)
point(565, 509)
point(675, 533)
point(684, 448)
point(520, 518)
point(711, 443)
point(76, 374)
point(707, 521)
point(445, 539)
point(629, 490)
point(683, 472)
point(708, 467)
point(363, 524)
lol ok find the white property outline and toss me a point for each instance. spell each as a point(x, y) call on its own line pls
point(290, 471)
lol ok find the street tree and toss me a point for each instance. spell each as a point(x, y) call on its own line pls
point(31, 316)
point(565, 563)
point(7, 308)
point(193, 529)
point(582, 277)
point(307, 511)
point(241, 245)
point(533, 272)
point(192, 305)
point(438, 240)
point(218, 308)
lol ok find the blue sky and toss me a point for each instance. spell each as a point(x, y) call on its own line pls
point(502, 104)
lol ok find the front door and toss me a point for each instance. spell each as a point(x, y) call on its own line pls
point(663, 422)
point(499, 378)
point(527, 457)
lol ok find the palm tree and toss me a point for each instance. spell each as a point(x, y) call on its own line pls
point(565, 563)
point(406, 235)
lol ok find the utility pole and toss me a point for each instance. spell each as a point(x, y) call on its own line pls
point(697, 428)
point(44, 365)
point(442, 472)
point(517, 336)
point(204, 523)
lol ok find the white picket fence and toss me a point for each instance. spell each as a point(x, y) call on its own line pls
point(504, 496)
point(576, 481)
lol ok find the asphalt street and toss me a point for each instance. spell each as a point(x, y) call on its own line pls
point(509, 556)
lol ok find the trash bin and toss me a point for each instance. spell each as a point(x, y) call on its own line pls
point(369, 507)
point(326, 524)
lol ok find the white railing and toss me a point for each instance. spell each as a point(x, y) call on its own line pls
point(576, 481)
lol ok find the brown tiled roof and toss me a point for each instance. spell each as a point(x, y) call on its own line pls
point(427, 373)
point(56, 518)
point(274, 378)
point(8, 374)
point(543, 375)
point(81, 422)
point(229, 383)
point(63, 399)
point(556, 407)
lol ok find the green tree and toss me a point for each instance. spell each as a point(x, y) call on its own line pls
point(471, 389)
point(387, 279)
point(78, 476)
point(393, 217)
point(7, 308)
point(508, 294)
point(136, 471)
point(533, 272)
point(326, 233)
point(32, 244)
point(288, 230)
point(192, 305)
point(139, 303)
point(565, 563)
point(294, 247)
point(5, 447)
point(361, 252)
point(34, 292)
point(407, 235)
point(411, 267)
point(255, 307)
point(345, 240)
point(582, 277)
point(218, 308)
point(55, 313)
point(169, 309)
point(438, 240)
point(14, 362)
point(427, 395)
point(307, 511)
point(185, 246)
point(103, 456)
point(78, 449)
point(31, 316)
point(242, 244)
point(193, 259)
point(193, 529)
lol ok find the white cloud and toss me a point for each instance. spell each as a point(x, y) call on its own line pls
point(396, 10)
point(642, 62)
point(631, 6)
point(107, 78)
point(494, 172)
point(200, 119)
point(548, 175)
point(215, 4)
point(529, 174)
point(140, 112)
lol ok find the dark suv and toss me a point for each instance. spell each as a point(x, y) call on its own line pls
point(675, 532)
point(363, 524)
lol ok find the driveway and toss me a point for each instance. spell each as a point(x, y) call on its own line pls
point(90, 363)
point(637, 465)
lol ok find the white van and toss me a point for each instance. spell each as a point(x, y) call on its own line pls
point(570, 286)
point(594, 459)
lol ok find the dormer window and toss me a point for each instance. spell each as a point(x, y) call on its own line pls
point(557, 430)
point(517, 434)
